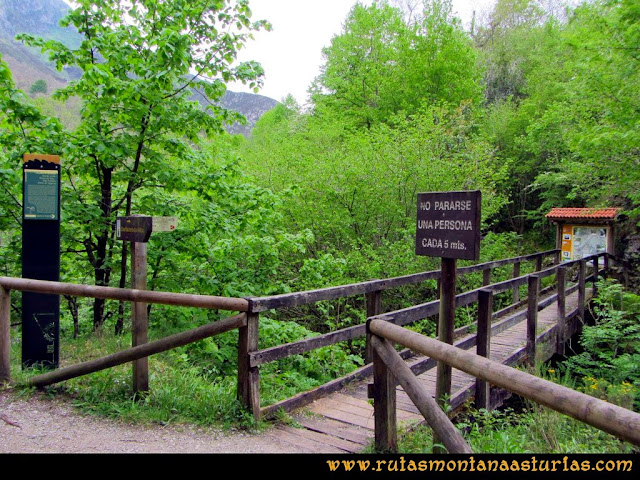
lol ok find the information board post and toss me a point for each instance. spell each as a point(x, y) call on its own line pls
point(448, 226)
point(137, 229)
point(40, 258)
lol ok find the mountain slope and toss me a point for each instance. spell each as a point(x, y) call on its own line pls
point(42, 18)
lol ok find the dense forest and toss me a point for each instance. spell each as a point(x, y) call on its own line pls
point(535, 104)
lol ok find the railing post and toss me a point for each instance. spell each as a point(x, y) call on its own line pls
point(445, 333)
point(483, 344)
point(446, 326)
point(596, 266)
point(374, 308)
point(384, 406)
point(486, 277)
point(516, 289)
point(532, 318)
point(557, 257)
point(581, 289)
point(140, 322)
point(561, 324)
point(538, 263)
point(5, 335)
point(249, 377)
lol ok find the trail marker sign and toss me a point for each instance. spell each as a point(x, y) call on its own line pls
point(448, 225)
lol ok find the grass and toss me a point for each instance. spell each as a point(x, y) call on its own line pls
point(534, 430)
point(179, 392)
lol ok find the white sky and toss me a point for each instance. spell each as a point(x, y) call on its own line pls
point(291, 54)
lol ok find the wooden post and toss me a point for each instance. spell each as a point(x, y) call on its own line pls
point(384, 406)
point(581, 289)
point(483, 344)
point(249, 377)
point(538, 263)
point(5, 335)
point(532, 318)
point(516, 289)
point(445, 332)
point(596, 266)
point(486, 277)
point(421, 397)
point(139, 321)
point(374, 307)
point(557, 257)
point(561, 324)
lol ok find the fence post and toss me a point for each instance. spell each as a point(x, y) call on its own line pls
point(538, 263)
point(384, 405)
point(486, 277)
point(532, 318)
point(249, 377)
point(596, 266)
point(581, 289)
point(557, 257)
point(140, 322)
point(516, 289)
point(5, 335)
point(483, 343)
point(561, 324)
point(446, 326)
point(374, 308)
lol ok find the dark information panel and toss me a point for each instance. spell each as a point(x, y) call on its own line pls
point(41, 259)
point(448, 225)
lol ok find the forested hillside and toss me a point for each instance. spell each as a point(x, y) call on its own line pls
point(536, 106)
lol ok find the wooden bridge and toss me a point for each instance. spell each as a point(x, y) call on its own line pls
point(530, 330)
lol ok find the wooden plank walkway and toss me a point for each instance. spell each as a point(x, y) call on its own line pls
point(343, 421)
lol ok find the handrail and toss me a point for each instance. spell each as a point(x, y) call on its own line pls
point(618, 421)
point(261, 304)
point(140, 351)
point(125, 294)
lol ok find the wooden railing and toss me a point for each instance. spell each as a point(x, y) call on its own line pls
point(137, 296)
point(388, 366)
point(250, 357)
point(389, 369)
point(372, 290)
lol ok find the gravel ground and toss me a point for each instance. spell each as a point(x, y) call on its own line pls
point(43, 425)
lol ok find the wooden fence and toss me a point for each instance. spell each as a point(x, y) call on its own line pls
point(388, 366)
point(389, 369)
point(250, 357)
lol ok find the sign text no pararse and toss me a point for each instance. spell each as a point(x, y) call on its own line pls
point(448, 225)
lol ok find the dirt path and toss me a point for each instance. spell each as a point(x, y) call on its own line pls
point(43, 425)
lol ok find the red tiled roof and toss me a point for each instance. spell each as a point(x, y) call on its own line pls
point(571, 213)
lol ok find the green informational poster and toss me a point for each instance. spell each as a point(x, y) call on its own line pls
point(41, 194)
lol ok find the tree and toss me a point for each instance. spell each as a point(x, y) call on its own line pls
point(140, 61)
point(379, 65)
point(39, 86)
